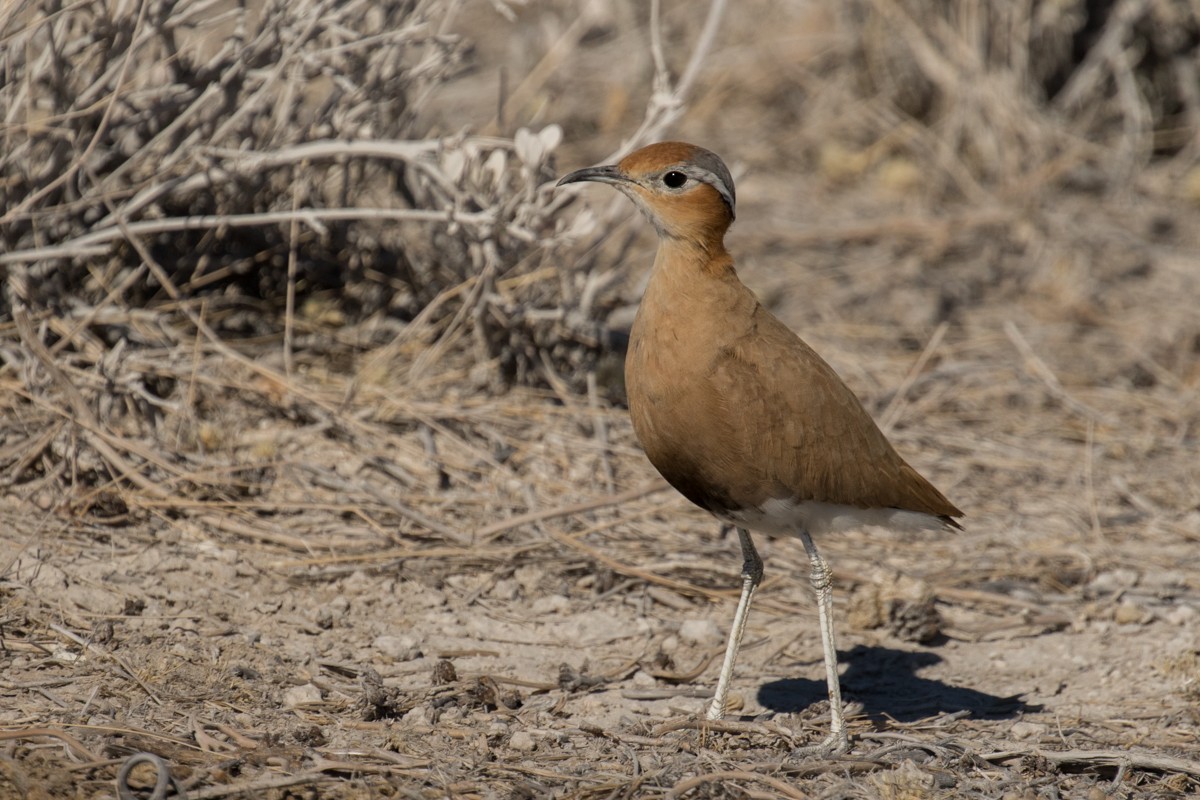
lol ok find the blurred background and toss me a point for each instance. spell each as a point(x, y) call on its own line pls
point(291, 283)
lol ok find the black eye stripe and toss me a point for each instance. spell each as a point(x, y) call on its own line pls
point(674, 179)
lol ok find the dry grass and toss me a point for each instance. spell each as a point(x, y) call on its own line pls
point(291, 310)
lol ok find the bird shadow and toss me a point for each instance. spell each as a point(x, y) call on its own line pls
point(886, 682)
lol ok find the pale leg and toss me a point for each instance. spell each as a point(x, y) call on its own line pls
point(752, 573)
point(822, 582)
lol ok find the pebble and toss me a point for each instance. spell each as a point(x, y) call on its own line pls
point(1026, 730)
point(700, 631)
point(522, 741)
point(398, 648)
point(1113, 580)
point(301, 696)
point(550, 604)
point(644, 680)
point(506, 589)
point(1182, 615)
point(1128, 613)
point(338, 606)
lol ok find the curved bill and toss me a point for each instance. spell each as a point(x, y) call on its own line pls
point(605, 174)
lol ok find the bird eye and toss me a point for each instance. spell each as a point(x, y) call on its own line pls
point(674, 179)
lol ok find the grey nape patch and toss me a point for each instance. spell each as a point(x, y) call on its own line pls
point(712, 163)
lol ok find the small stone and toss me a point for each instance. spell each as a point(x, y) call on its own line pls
point(644, 680)
point(522, 741)
point(700, 631)
point(904, 606)
point(358, 582)
point(338, 606)
point(348, 465)
point(550, 604)
point(1190, 185)
point(506, 589)
point(1182, 615)
point(397, 648)
point(865, 613)
point(669, 644)
point(1026, 730)
point(305, 695)
point(1113, 580)
point(1128, 613)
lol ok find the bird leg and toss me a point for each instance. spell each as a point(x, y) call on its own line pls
point(822, 582)
point(752, 573)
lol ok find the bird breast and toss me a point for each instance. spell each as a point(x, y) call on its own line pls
point(685, 420)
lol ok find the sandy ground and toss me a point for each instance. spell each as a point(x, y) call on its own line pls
point(529, 669)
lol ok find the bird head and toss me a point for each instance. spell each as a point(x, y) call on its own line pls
point(684, 190)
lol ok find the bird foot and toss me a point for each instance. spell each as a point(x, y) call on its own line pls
point(835, 744)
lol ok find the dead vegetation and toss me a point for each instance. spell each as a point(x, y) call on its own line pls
point(312, 478)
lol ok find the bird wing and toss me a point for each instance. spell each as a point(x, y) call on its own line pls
point(804, 431)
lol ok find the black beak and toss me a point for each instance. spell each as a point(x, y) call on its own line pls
point(605, 174)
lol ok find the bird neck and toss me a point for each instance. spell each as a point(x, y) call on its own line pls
point(689, 258)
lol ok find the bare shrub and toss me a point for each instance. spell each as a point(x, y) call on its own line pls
point(176, 176)
point(160, 152)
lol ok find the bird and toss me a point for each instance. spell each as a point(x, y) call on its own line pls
point(738, 413)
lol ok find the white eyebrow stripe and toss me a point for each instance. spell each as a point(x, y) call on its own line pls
point(712, 179)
